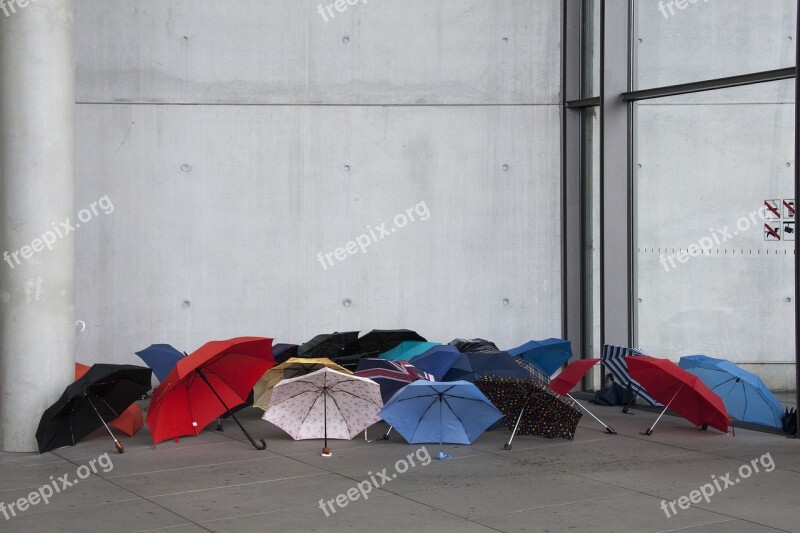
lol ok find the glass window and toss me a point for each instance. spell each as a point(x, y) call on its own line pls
point(713, 179)
point(590, 45)
point(681, 41)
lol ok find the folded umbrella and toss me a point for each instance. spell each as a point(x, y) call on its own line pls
point(99, 396)
point(569, 378)
point(205, 383)
point(745, 396)
point(530, 408)
point(474, 345)
point(676, 388)
point(130, 421)
point(455, 412)
point(437, 360)
point(407, 350)
point(324, 404)
point(291, 368)
point(161, 358)
point(549, 355)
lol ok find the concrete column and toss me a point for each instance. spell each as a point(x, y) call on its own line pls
point(37, 194)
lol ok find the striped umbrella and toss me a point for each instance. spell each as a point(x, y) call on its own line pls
point(613, 358)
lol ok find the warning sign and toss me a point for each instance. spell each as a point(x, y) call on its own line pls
point(772, 231)
point(773, 208)
point(788, 230)
point(788, 208)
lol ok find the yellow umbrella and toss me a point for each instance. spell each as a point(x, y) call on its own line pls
point(291, 368)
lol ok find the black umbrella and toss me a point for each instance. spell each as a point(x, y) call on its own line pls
point(327, 345)
point(283, 352)
point(474, 345)
point(382, 340)
point(99, 396)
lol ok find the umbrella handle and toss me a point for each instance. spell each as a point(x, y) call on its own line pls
point(246, 434)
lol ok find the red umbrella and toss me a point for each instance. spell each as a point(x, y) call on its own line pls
point(569, 377)
point(679, 390)
point(204, 384)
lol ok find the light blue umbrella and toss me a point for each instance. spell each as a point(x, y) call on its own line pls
point(549, 355)
point(455, 412)
point(406, 350)
point(745, 396)
point(437, 360)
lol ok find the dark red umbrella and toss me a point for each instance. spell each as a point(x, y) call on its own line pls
point(569, 377)
point(205, 383)
point(679, 390)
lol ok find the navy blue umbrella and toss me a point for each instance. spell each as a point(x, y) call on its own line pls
point(161, 358)
point(471, 366)
point(437, 360)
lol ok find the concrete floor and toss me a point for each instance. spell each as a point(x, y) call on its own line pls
point(598, 482)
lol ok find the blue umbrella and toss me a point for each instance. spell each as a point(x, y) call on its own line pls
point(406, 350)
point(455, 412)
point(745, 396)
point(549, 355)
point(471, 366)
point(161, 358)
point(437, 360)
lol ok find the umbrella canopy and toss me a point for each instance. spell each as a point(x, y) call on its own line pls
point(382, 340)
point(680, 391)
point(437, 360)
point(205, 383)
point(161, 358)
point(292, 368)
point(613, 359)
point(100, 395)
point(130, 421)
point(470, 366)
point(571, 375)
point(474, 345)
point(746, 397)
point(407, 350)
point(283, 352)
point(391, 376)
point(549, 355)
point(531, 407)
point(324, 404)
point(327, 344)
point(455, 412)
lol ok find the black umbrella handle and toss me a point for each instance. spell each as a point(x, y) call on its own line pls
point(246, 434)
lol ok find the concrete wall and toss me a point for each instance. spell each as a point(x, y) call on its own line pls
point(237, 140)
point(702, 163)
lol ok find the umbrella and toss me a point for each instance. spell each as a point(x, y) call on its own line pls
point(324, 404)
point(437, 360)
point(283, 352)
point(407, 350)
point(474, 345)
point(569, 377)
point(327, 344)
point(470, 366)
point(677, 388)
point(382, 340)
point(745, 396)
point(613, 359)
point(291, 368)
point(205, 383)
point(391, 376)
point(530, 408)
point(130, 421)
point(99, 396)
point(455, 412)
point(549, 354)
point(161, 358)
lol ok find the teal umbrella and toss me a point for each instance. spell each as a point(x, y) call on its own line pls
point(406, 350)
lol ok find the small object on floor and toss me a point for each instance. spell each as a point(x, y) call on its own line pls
point(326, 452)
point(119, 446)
point(443, 456)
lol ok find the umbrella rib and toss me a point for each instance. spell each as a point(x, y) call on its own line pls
point(419, 422)
point(298, 394)
point(116, 415)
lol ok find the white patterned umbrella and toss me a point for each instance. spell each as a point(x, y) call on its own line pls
point(324, 404)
